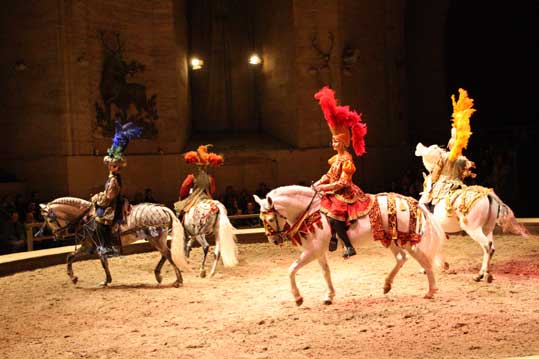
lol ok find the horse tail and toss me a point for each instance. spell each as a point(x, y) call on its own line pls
point(436, 236)
point(505, 218)
point(226, 237)
point(177, 245)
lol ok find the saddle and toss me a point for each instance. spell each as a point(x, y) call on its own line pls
point(393, 233)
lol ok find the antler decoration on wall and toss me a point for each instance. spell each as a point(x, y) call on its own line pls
point(350, 55)
point(324, 56)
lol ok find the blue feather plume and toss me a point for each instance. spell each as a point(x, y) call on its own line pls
point(122, 136)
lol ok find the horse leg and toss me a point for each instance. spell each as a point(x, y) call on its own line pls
point(188, 246)
point(323, 261)
point(490, 238)
point(162, 247)
point(157, 270)
point(478, 235)
point(70, 258)
point(400, 257)
point(426, 264)
point(217, 256)
point(105, 264)
point(305, 258)
point(205, 248)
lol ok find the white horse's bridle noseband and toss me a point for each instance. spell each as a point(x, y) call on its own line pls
point(272, 232)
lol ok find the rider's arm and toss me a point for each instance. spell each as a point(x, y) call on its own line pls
point(186, 186)
point(113, 189)
point(104, 199)
point(212, 185)
point(324, 179)
point(344, 180)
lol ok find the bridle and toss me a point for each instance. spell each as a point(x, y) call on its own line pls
point(288, 231)
point(282, 234)
point(51, 216)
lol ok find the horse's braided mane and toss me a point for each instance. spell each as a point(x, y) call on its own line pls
point(72, 201)
point(291, 190)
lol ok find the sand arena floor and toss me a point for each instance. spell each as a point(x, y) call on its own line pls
point(248, 312)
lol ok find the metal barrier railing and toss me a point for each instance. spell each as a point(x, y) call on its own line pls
point(31, 228)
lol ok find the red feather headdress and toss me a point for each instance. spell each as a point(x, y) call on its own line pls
point(202, 157)
point(341, 120)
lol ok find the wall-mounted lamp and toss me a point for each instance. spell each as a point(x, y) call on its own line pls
point(196, 63)
point(20, 65)
point(255, 59)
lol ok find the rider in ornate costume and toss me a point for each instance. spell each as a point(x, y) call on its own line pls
point(342, 201)
point(452, 168)
point(201, 185)
point(109, 203)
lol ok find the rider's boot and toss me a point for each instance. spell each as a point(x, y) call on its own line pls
point(333, 241)
point(104, 237)
point(339, 227)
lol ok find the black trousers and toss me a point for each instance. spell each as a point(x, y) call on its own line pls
point(104, 234)
point(339, 227)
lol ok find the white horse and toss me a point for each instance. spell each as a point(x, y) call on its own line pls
point(148, 221)
point(476, 210)
point(284, 209)
point(209, 217)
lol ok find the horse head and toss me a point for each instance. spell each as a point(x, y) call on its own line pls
point(60, 214)
point(274, 223)
point(430, 155)
point(281, 207)
point(51, 221)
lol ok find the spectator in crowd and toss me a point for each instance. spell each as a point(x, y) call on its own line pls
point(138, 198)
point(243, 198)
point(148, 196)
point(262, 190)
point(13, 234)
point(228, 199)
point(251, 209)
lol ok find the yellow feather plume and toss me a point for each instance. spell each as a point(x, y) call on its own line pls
point(462, 111)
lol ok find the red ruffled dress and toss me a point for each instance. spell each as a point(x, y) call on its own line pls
point(343, 200)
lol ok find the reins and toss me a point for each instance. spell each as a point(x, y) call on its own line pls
point(287, 231)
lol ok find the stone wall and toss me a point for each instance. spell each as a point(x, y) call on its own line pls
point(51, 72)
point(52, 66)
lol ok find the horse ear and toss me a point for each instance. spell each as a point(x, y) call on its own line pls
point(42, 206)
point(420, 149)
point(257, 200)
point(270, 202)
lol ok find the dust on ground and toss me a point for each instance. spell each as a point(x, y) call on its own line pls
point(248, 311)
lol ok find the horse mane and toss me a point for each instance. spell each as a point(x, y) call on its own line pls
point(291, 192)
point(72, 202)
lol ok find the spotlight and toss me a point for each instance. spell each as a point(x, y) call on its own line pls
point(255, 60)
point(196, 63)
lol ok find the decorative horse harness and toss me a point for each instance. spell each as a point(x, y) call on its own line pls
point(303, 225)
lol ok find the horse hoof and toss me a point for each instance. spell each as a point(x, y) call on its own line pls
point(430, 294)
point(387, 289)
point(177, 284)
point(158, 278)
point(478, 277)
point(203, 274)
point(446, 266)
point(104, 284)
point(327, 302)
point(299, 301)
point(490, 278)
point(74, 280)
